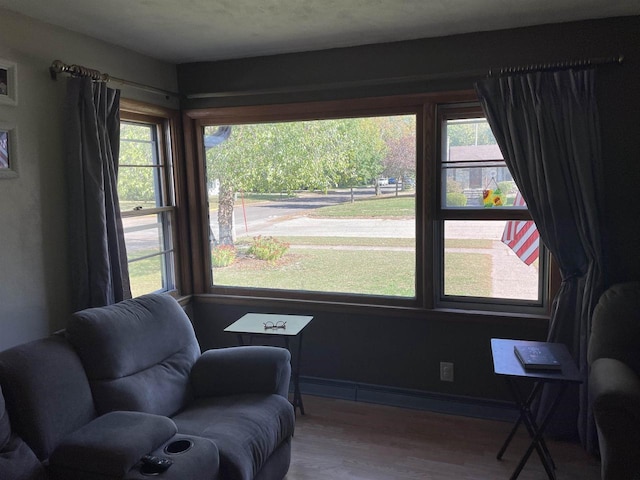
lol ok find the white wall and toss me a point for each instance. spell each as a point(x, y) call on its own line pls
point(34, 278)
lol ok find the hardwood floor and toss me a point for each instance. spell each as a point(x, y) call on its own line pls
point(344, 440)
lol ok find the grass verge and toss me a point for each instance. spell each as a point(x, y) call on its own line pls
point(403, 206)
point(468, 274)
point(345, 271)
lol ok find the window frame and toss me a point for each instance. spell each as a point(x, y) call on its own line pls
point(428, 212)
point(470, 110)
point(168, 136)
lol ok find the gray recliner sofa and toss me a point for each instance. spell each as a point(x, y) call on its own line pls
point(17, 460)
point(129, 379)
point(614, 380)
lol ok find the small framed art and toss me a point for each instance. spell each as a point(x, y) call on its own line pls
point(8, 151)
point(8, 83)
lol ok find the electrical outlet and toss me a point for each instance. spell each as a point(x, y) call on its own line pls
point(446, 371)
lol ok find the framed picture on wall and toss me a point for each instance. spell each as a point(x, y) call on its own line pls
point(8, 151)
point(8, 83)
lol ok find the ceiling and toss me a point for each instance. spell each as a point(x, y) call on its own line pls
point(180, 31)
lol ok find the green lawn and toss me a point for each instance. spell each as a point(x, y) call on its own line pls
point(467, 243)
point(361, 271)
point(403, 206)
point(347, 241)
point(320, 270)
point(145, 276)
point(468, 274)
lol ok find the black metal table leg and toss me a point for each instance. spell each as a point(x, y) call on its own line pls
point(527, 418)
point(537, 437)
point(297, 396)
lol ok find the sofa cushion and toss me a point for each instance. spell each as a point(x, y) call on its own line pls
point(137, 353)
point(247, 429)
point(18, 462)
point(46, 392)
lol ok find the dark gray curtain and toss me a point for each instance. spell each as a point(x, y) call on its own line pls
point(546, 124)
point(98, 257)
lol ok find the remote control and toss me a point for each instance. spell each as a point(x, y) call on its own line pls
point(159, 463)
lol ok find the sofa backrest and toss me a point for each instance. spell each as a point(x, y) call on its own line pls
point(615, 330)
point(137, 353)
point(46, 392)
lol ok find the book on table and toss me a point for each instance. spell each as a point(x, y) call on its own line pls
point(537, 357)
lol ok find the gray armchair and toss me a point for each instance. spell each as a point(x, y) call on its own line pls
point(614, 380)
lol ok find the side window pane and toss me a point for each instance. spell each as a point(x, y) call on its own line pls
point(139, 182)
point(146, 215)
point(319, 206)
point(474, 173)
point(495, 259)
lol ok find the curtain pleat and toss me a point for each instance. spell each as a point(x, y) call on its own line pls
point(547, 127)
point(98, 256)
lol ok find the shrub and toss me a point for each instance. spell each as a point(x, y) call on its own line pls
point(456, 199)
point(267, 248)
point(453, 186)
point(223, 255)
point(507, 187)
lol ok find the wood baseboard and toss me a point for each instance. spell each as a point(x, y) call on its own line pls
point(407, 398)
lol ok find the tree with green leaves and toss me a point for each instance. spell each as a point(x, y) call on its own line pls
point(288, 156)
point(399, 134)
point(135, 183)
point(470, 132)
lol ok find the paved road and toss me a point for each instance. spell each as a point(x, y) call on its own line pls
point(259, 218)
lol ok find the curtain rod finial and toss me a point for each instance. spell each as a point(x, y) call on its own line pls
point(56, 67)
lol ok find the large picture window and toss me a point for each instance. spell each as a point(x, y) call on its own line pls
point(318, 206)
point(398, 201)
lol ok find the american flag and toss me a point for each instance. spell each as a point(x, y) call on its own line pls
point(522, 236)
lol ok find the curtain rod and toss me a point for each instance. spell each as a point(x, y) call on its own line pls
point(543, 67)
point(79, 71)
point(491, 72)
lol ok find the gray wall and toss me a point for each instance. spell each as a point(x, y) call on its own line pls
point(390, 348)
point(34, 278)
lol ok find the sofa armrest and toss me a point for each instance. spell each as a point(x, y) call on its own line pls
point(615, 391)
point(614, 384)
point(239, 370)
point(110, 445)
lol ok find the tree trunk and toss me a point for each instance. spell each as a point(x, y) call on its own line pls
point(352, 199)
point(225, 214)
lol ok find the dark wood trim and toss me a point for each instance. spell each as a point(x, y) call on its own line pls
point(408, 398)
point(149, 109)
point(328, 109)
point(424, 106)
point(199, 241)
point(272, 304)
point(427, 206)
point(171, 142)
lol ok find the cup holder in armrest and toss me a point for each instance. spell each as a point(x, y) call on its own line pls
point(179, 446)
